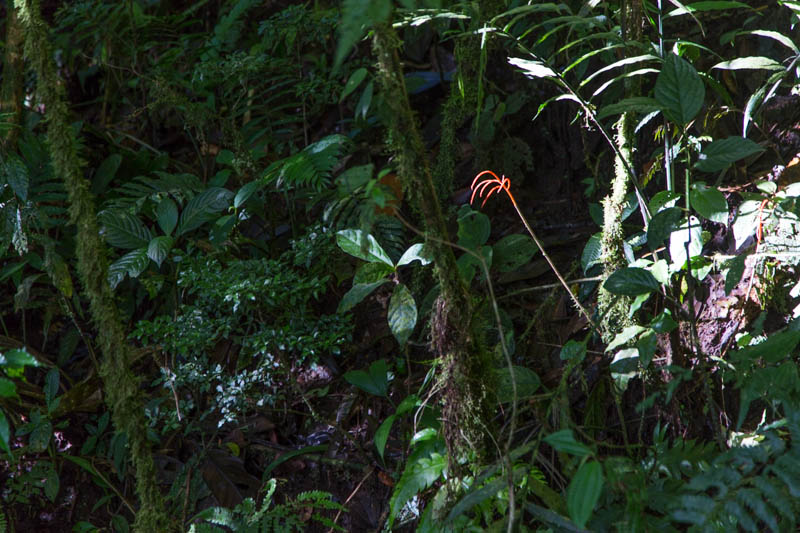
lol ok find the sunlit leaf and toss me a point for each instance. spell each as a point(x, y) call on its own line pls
point(351, 241)
point(679, 90)
point(402, 314)
point(631, 281)
point(718, 155)
point(709, 202)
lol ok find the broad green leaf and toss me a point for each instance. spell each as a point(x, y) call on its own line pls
point(528, 383)
point(746, 222)
point(421, 472)
point(167, 215)
point(662, 225)
point(16, 175)
point(105, 173)
point(50, 387)
point(8, 389)
point(749, 63)
point(636, 104)
point(402, 314)
point(17, 359)
point(720, 154)
point(221, 229)
point(225, 157)
point(353, 82)
point(688, 233)
point(375, 381)
point(662, 200)
point(159, 248)
point(371, 272)
point(776, 347)
point(416, 252)
point(357, 294)
point(624, 337)
point(679, 90)
point(133, 263)
point(40, 436)
point(513, 251)
point(473, 228)
point(351, 242)
point(532, 68)
point(709, 202)
point(51, 485)
point(422, 436)
point(123, 230)
point(362, 107)
point(247, 190)
point(735, 270)
point(468, 263)
point(584, 491)
point(382, 434)
point(631, 281)
point(203, 208)
point(573, 350)
point(781, 38)
point(563, 441)
point(5, 433)
point(647, 345)
point(592, 252)
point(663, 323)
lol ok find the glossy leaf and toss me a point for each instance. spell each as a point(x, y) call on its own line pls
point(563, 441)
point(362, 108)
point(719, 155)
point(746, 222)
point(679, 90)
point(17, 358)
point(123, 230)
point(203, 208)
point(247, 190)
point(688, 233)
point(416, 252)
point(749, 63)
point(584, 491)
point(351, 242)
point(402, 314)
point(631, 281)
point(353, 82)
point(573, 350)
point(133, 263)
point(167, 215)
point(159, 248)
point(532, 68)
point(512, 252)
point(420, 473)
point(709, 202)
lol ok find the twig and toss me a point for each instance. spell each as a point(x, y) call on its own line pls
point(336, 518)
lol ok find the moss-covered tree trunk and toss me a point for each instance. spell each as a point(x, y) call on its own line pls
point(465, 361)
point(121, 387)
point(12, 89)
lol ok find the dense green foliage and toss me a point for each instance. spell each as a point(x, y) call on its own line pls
point(247, 285)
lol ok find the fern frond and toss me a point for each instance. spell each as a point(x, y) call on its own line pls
point(311, 167)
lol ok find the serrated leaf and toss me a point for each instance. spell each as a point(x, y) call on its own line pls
point(679, 90)
point(402, 314)
point(133, 263)
point(749, 63)
point(351, 242)
point(564, 441)
point(718, 155)
point(382, 435)
point(631, 281)
point(203, 208)
point(357, 294)
point(512, 252)
point(709, 202)
point(159, 248)
point(247, 190)
point(662, 225)
point(584, 491)
point(123, 230)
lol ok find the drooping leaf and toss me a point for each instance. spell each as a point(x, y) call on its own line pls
point(402, 314)
point(746, 222)
point(362, 107)
point(133, 263)
point(167, 215)
point(718, 155)
point(583, 492)
point(592, 252)
point(749, 63)
point(203, 208)
point(382, 434)
point(421, 471)
point(679, 90)
point(776, 347)
point(532, 68)
point(51, 386)
point(662, 225)
point(375, 381)
point(636, 104)
point(709, 202)
point(105, 173)
point(353, 82)
point(123, 230)
point(159, 248)
point(351, 241)
point(247, 190)
point(416, 252)
point(705, 5)
point(513, 251)
point(631, 281)
point(564, 441)
point(357, 293)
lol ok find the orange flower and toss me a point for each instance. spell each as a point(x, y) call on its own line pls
point(493, 184)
